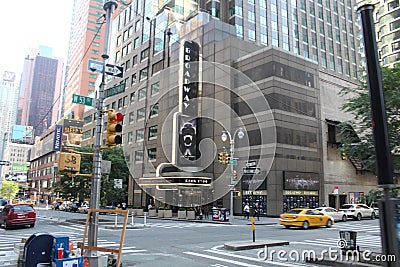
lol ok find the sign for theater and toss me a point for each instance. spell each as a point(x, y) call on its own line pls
point(301, 181)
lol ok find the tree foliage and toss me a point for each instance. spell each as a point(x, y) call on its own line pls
point(79, 187)
point(357, 136)
point(9, 189)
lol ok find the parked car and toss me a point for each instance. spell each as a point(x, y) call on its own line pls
point(56, 205)
point(374, 205)
point(305, 218)
point(84, 208)
point(73, 207)
point(337, 215)
point(358, 211)
point(17, 214)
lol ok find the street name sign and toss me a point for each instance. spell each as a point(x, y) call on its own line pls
point(95, 66)
point(83, 100)
point(233, 161)
point(114, 70)
point(251, 163)
point(115, 90)
point(251, 170)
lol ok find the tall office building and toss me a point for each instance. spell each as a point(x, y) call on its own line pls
point(387, 26)
point(9, 90)
point(299, 53)
point(86, 42)
point(39, 104)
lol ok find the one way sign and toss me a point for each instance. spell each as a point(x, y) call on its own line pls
point(114, 70)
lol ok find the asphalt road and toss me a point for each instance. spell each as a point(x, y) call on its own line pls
point(176, 243)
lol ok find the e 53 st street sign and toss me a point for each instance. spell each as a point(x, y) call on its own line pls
point(83, 100)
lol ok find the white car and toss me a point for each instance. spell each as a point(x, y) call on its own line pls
point(83, 208)
point(374, 205)
point(337, 215)
point(358, 211)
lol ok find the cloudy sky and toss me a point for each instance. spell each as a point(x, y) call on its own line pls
point(26, 24)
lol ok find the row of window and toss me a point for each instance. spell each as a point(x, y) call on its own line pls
point(151, 155)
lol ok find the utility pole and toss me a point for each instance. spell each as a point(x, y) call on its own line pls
point(109, 6)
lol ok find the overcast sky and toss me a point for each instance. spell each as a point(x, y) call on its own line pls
point(26, 24)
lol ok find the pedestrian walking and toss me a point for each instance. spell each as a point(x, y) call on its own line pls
point(206, 211)
point(257, 211)
point(246, 211)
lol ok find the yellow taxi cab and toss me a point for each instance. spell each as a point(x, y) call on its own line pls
point(305, 218)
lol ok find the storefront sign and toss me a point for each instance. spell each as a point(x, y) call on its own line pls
point(301, 180)
point(188, 107)
point(300, 192)
point(255, 192)
point(57, 138)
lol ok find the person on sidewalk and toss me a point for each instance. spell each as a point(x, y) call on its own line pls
point(256, 211)
point(206, 210)
point(246, 211)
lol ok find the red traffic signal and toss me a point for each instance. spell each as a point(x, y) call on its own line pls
point(114, 128)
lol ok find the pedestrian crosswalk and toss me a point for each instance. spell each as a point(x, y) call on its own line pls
point(7, 242)
point(357, 226)
point(221, 257)
point(363, 241)
point(184, 225)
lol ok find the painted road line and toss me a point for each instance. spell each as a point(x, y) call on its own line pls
point(222, 259)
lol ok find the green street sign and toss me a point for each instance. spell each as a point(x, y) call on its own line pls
point(114, 90)
point(233, 161)
point(82, 100)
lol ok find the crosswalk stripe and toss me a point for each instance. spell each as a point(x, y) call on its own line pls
point(222, 259)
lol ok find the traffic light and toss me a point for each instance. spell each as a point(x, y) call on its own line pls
point(344, 156)
point(226, 159)
point(234, 174)
point(220, 157)
point(114, 128)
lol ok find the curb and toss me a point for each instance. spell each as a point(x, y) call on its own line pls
point(245, 245)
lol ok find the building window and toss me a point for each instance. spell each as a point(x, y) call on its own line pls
point(141, 114)
point(155, 88)
point(133, 80)
point(154, 110)
point(152, 154)
point(143, 74)
point(153, 130)
point(137, 26)
point(141, 93)
point(134, 60)
point(144, 54)
point(132, 97)
point(130, 137)
point(127, 65)
point(157, 66)
point(120, 103)
point(139, 135)
point(138, 155)
point(131, 117)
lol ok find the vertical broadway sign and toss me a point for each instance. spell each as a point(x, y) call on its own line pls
point(187, 124)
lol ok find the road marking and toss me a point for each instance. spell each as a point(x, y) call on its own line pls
point(222, 259)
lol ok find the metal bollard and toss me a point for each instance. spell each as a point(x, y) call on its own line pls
point(145, 218)
point(116, 219)
point(132, 218)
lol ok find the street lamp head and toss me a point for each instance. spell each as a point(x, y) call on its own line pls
point(240, 133)
point(224, 136)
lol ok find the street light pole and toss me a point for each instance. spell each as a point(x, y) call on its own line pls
point(109, 7)
point(224, 136)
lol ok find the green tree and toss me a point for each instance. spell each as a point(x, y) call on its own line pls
point(78, 187)
point(357, 135)
point(9, 189)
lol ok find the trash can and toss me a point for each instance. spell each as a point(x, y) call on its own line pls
point(348, 240)
point(224, 215)
point(215, 214)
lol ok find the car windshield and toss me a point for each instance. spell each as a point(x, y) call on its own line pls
point(22, 208)
point(294, 211)
point(347, 206)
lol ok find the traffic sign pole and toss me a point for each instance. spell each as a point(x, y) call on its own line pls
point(109, 7)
